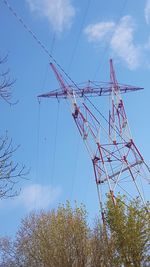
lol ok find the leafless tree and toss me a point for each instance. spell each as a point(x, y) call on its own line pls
point(10, 172)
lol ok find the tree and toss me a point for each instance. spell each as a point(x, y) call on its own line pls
point(103, 250)
point(56, 238)
point(129, 224)
point(63, 238)
point(10, 172)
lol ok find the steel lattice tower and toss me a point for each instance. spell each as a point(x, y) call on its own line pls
point(118, 165)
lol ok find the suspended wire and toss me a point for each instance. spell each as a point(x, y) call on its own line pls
point(37, 148)
point(38, 137)
point(74, 173)
point(39, 116)
point(34, 36)
point(55, 144)
point(43, 47)
point(47, 65)
point(79, 34)
point(43, 86)
point(107, 46)
point(69, 66)
point(52, 57)
point(46, 50)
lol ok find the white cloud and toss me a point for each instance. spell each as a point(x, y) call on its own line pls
point(119, 38)
point(147, 12)
point(59, 13)
point(99, 31)
point(122, 43)
point(38, 196)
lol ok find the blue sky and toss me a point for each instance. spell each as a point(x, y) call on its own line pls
point(82, 36)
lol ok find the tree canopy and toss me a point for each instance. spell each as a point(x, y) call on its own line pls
point(63, 237)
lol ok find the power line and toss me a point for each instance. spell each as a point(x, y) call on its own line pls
point(55, 145)
point(43, 47)
point(37, 148)
point(34, 36)
point(79, 34)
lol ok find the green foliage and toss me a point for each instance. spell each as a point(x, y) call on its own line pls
point(130, 227)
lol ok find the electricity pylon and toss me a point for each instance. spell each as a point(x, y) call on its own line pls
point(118, 165)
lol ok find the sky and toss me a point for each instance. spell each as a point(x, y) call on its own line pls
point(82, 36)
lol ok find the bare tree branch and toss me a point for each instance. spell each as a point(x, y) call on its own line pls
point(10, 172)
point(6, 83)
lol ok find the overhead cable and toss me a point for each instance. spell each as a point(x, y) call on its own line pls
point(43, 47)
point(34, 36)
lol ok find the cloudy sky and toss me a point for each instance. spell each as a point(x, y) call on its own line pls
point(82, 36)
